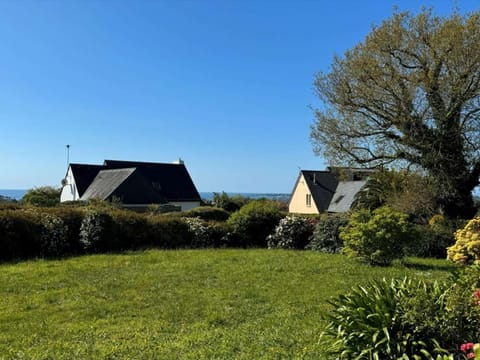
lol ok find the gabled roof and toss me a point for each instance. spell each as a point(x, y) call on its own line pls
point(171, 180)
point(106, 182)
point(135, 182)
point(322, 185)
point(344, 195)
point(84, 175)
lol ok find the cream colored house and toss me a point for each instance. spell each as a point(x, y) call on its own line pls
point(330, 190)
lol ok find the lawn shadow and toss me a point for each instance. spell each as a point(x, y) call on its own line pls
point(422, 265)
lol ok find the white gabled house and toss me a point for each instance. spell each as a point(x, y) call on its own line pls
point(135, 184)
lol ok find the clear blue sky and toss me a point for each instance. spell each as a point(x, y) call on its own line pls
point(225, 85)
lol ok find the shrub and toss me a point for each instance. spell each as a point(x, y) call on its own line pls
point(254, 222)
point(53, 236)
point(200, 232)
point(292, 232)
point(19, 234)
point(97, 232)
point(72, 218)
point(168, 232)
point(326, 235)
point(208, 213)
point(406, 319)
point(42, 196)
point(229, 204)
point(466, 249)
point(377, 237)
point(369, 323)
point(130, 229)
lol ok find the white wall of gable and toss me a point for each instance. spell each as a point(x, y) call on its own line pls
point(69, 190)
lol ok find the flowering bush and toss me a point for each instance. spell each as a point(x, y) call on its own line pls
point(199, 230)
point(467, 246)
point(292, 232)
point(53, 236)
point(326, 234)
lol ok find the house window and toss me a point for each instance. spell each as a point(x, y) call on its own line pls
point(308, 200)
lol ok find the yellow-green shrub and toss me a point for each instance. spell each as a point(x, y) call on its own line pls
point(467, 244)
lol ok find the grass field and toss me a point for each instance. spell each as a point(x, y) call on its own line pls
point(205, 304)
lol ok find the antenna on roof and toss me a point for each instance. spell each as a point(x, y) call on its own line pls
point(68, 155)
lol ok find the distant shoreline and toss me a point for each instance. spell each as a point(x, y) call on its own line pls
point(17, 194)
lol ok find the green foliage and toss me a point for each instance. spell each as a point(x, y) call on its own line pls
point(408, 95)
point(188, 304)
point(207, 213)
point(167, 233)
point(326, 235)
point(466, 249)
point(406, 192)
point(44, 196)
point(97, 232)
point(377, 237)
point(230, 204)
point(19, 234)
point(7, 199)
point(292, 232)
point(53, 236)
point(254, 222)
point(369, 323)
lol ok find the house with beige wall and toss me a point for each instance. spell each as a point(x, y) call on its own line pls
point(331, 190)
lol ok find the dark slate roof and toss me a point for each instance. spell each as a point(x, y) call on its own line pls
point(106, 182)
point(172, 181)
point(322, 185)
point(344, 195)
point(84, 175)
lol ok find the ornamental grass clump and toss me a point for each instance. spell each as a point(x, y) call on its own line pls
point(466, 249)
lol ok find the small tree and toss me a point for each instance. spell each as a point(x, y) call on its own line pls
point(44, 196)
point(377, 237)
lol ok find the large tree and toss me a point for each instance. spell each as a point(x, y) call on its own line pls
point(409, 94)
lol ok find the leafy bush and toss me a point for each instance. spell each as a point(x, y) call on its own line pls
point(229, 204)
point(326, 235)
point(130, 229)
point(72, 218)
point(372, 322)
point(200, 232)
point(42, 196)
point(207, 213)
point(254, 222)
point(466, 249)
point(53, 236)
point(377, 237)
point(19, 234)
point(292, 232)
point(168, 233)
point(97, 232)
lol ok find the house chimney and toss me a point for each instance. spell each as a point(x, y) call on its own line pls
point(179, 162)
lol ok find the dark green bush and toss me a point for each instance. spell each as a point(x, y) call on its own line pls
point(53, 236)
point(371, 322)
point(377, 237)
point(168, 233)
point(97, 232)
point(254, 222)
point(130, 229)
point(229, 204)
point(207, 213)
point(44, 196)
point(72, 218)
point(292, 232)
point(19, 234)
point(326, 234)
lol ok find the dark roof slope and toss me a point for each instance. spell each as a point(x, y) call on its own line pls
point(171, 181)
point(106, 182)
point(84, 175)
point(322, 185)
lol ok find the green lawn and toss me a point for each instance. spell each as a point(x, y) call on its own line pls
point(205, 304)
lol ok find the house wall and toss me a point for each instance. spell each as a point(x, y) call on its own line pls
point(69, 191)
point(298, 203)
point(186, 205)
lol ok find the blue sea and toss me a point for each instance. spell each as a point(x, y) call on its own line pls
point(18, 194)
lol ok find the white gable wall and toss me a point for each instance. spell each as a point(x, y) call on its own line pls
point(298, 201)
point(69, 191)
